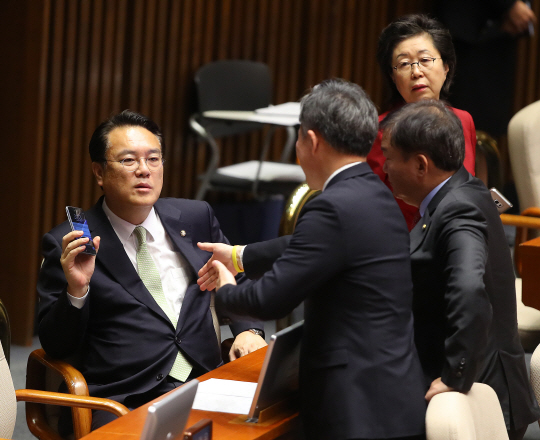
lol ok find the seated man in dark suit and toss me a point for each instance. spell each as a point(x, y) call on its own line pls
point(348, 258)
point(464, 287)
point(134, 312)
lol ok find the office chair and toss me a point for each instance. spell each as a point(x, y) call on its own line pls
point(238, 85)
point(9, 398)
point(488, 160)
point(524, 151)
point(5, 330)
point(464, 416)
point(535, 374)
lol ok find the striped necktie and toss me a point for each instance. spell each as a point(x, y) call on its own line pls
point(150, 277)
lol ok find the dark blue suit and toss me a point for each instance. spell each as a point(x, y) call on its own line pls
point(126, 341)
point(348, 258)
point(465, 299)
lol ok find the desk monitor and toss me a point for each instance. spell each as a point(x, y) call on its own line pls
point(278, 379)
point(167, 418)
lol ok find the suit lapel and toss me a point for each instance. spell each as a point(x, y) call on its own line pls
point(419, 232)
point(113, 259)
point(181, 234)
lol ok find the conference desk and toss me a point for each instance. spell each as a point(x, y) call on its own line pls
point(530, 273)
point(225, 426)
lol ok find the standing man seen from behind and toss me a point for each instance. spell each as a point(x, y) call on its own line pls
point(134, 312)
point(360, 377)
point(464, 286)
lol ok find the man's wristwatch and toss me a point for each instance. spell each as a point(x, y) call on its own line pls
point(257, 332)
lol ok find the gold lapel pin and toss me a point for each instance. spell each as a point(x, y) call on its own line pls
point(183, 233)
point(424, 226)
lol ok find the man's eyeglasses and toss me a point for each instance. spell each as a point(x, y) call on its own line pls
point(425, 63)
point(130, 164)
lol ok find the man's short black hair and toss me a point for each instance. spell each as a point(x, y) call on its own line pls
point(407, 27)
point(429, 127)
point(343, 114)
point(100, 139)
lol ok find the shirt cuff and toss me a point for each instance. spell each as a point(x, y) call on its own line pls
point(78, 302)
point(240, 257)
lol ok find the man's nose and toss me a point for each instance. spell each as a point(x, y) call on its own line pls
point(143, 167)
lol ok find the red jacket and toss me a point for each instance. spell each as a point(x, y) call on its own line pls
point(375, 159)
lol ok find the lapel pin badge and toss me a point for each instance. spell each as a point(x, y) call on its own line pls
point(424, 226)
point(183, 233)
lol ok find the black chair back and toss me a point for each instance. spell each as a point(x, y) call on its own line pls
point(232, 85)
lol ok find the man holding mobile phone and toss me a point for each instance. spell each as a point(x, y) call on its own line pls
point(134, 312)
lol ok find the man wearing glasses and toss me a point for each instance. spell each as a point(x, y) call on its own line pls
point(134, 312)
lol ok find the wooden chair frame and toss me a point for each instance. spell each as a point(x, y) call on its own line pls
point(78, 398)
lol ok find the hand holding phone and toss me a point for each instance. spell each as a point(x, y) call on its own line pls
point(78, 253)
point(77, 220)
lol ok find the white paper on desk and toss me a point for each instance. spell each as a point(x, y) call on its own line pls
point(286, 109)
point(269, 171)
point(228, 396)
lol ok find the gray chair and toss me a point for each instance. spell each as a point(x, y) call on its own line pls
point(236, 85)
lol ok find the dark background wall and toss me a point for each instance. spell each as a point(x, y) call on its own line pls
point(71, 63)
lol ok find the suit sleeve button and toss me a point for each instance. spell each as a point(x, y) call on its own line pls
point(159, 376)
point(459, 374)
point(462, 361)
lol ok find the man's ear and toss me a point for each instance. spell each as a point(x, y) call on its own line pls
point(422, 164)
point(314, 139)
point(97, 169)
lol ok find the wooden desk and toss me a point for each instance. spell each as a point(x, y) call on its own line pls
point(225, 426)
point(530, 273)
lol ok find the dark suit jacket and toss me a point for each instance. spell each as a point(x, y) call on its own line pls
point(465, 300)
point(349, 260)
point(126, 341)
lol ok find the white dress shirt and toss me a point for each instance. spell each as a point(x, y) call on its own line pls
point(175, 272)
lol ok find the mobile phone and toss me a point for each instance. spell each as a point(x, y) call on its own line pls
point(202, 430)
point(502, 203)
point(77, 220)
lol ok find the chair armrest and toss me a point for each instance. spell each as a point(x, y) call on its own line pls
point(521, 221)
point(62, 399)
point(39, 361)
point(525, 224)
point(36, 373)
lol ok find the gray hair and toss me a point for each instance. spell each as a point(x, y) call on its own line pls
point(343, 114)
point(429, 127)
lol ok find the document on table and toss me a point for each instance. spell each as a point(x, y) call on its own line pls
point(228, 396)
point(286, 109)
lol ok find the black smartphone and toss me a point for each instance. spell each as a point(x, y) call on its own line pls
point(77, 220)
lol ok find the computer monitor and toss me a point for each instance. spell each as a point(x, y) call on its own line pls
point(167, 418)
point(278, 379)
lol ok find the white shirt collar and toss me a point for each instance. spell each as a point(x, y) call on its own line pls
point(339, 170)
point(429, 197)
point(124, 229)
